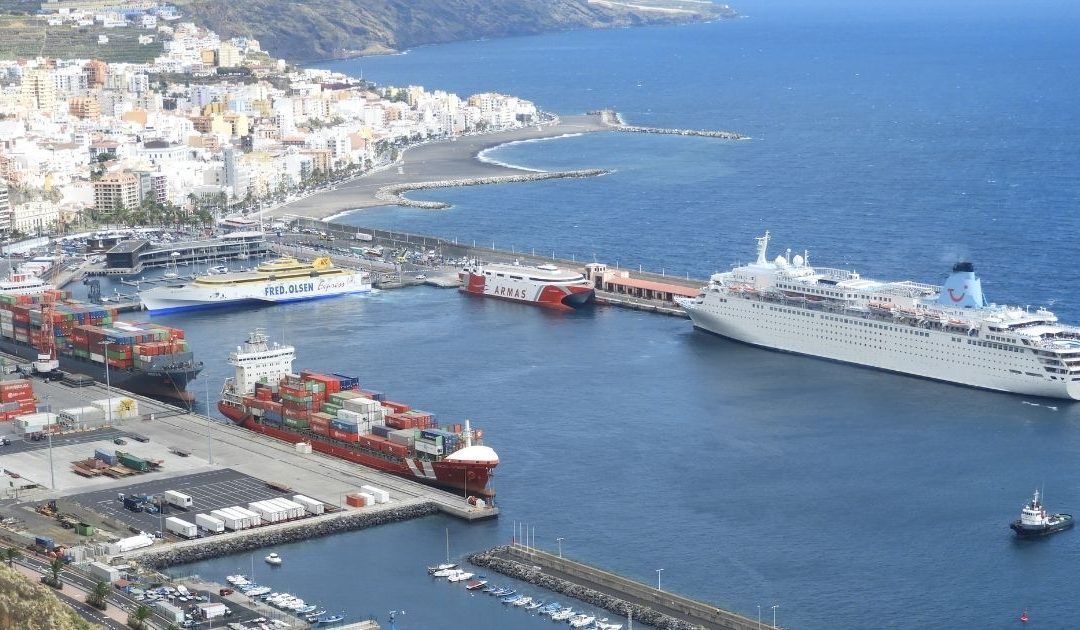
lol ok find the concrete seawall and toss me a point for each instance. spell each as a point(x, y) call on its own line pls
point(248, 540)
point(614, 593)
point(394, 194)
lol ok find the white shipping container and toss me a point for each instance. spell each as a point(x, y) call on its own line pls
point(286, 512)
point(35, 420)
point(103, 571)
point(210, 523)
point(295, 509)
point(170, 612)
point(267, 512)
point(120, 407)
point(181, 527)
point(253, 517)
point(81, 415)
point(346, 414)
point(230, 520)
point(369, 499)
point(424, 447)
point(134, 542)
point(360, 404)
point(382, 495)
point(310, 505)
point(178, 499)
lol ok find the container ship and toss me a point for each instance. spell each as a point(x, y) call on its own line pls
point(948, 333)
point(147, 359)
point(338, 418)
point(546, 285)
point(284, 279)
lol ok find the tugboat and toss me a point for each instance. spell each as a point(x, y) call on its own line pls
point(1034, 521)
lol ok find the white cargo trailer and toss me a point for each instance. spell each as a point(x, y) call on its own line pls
point(231, 521)
point(253, 517)
point(181, 528)
point(369, 499)
point(292, 509)
point(209, 523)
point(179, 499)
point(269, 512)
point(311, 506)
point(382, 496)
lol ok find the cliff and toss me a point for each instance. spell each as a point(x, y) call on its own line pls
point(30, 606)
point(309, 30)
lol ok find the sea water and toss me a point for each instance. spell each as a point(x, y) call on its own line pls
point(892, 139)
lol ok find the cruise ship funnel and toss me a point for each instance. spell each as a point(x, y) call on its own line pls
point(963, 289)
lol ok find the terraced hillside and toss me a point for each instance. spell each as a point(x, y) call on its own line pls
point(26, 37)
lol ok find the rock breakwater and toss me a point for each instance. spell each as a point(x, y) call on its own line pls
point(394, 194)
point(248, 540)
point(494, 560)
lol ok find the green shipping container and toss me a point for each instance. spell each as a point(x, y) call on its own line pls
point(84, 529)
point(296, 424)
point(330, 409)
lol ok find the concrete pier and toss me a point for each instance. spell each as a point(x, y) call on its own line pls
point(393, 194)
point(615, 122)
point(614, 593)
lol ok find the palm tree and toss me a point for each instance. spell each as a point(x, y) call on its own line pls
point(55, 567)
point(97, 596)
point(12, 554)
point(138, 617)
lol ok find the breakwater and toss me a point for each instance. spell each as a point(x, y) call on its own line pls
point(704, 133)
point(611, 592)
point(248, 540)
point(394, 194)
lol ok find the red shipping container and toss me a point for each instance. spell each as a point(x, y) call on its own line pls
point(396, 406)
point(320, 429)
point(354, 500)
point(341, 435)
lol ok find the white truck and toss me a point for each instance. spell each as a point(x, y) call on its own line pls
point(177, 499)
point(209, 523)
point(181, 528)
point(362, 236)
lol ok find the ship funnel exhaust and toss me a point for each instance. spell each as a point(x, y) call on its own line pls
point(963, 289)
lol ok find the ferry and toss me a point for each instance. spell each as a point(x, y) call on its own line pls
point(546, 285)
point(1034, 521)
point(948, 333)
point(19, 283)
point(281, 280)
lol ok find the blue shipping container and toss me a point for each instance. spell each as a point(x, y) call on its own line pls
point(347, 382)
point(379, 396)
point(45, 543)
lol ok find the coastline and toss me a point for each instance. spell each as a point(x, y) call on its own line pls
point(421, 166)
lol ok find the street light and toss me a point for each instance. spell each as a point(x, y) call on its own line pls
point(559, 540)
point(658, 579)
point(774, 607)
point(759, 616)
point(48, 415)
point(108, 383)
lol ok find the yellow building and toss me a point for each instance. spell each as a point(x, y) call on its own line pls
point(115, 189)
point(37, 91)
point(229, 56)
point(84, 107)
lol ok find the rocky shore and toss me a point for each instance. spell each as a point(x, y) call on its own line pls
point(492, 559)
point(249, 540)
point(394, 193)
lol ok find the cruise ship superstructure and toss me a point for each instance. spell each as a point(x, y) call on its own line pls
point(947, 333)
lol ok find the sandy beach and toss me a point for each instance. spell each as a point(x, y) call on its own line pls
point(436, 161)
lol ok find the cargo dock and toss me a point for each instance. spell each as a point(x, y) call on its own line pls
point(616, 594)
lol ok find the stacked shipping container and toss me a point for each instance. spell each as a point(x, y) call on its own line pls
point(16, 398)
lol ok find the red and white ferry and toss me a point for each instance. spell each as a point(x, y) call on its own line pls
point(546, 285)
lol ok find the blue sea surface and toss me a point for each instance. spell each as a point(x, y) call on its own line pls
point(892, 138)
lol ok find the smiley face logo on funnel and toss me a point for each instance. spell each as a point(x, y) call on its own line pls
point(955, 298)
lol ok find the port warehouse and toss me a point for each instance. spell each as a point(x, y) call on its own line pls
point(635, 284)
point(132, 256)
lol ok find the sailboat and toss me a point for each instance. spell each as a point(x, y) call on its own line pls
point(443, 570)
point(171, 272)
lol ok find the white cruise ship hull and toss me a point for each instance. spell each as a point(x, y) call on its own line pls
point(163, 299)
point(850, 338)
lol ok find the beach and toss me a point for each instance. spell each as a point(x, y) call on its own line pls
point(440, 161)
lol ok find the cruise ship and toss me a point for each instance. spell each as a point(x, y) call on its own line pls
point(19, 283)
point(281, 280)
point(948, 333)
point(546, 285)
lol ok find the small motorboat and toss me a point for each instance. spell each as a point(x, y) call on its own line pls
point(331, 619)
point(236, 580)
point(551, 608)
point(511, 598)
point(524, 601)
point(304, 610)
point(1035, 522)
point(460, 576)
point(562, 614)
point(536, 604)
point(273, 559)
point(581, 621)
point(473, 585)
point(441, 567)
point(603, 624)
point(445, 572)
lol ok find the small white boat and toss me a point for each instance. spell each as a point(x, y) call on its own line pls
point(460, 576)
point(581, 621)
point(563, 614)
point(602, 624)
point(273, 559)
point(524, 601)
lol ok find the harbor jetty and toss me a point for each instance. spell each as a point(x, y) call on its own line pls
point(615, 121)
point(614, 593)
point(393, 193)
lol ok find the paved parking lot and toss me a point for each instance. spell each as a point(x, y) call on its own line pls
point(208, 490)
point(19, 444)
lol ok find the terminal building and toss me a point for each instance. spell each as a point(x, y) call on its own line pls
point(132, 256)
point(619, 282)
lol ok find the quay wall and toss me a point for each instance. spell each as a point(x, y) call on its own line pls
point(614, 593)
point(270, 535)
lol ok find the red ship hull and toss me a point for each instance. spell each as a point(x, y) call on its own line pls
point(465, 477)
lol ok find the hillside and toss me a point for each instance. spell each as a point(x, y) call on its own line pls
point(30, 606)
point(307, 30)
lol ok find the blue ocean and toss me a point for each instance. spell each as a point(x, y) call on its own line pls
point(894, 139)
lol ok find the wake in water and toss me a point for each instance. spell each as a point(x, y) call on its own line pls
point(483, 155)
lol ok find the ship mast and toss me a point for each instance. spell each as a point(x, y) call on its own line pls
point(762, 245)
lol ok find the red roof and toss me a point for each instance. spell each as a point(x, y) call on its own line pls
point(649, 285)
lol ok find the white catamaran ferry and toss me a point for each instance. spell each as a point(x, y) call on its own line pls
point(947, 333)
point(282, 280)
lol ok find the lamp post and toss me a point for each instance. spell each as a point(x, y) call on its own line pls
point(759, 616)
point(108, 383)
point(48, 414)
point(774, 607)
point(559, 540)
point(658, 579)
